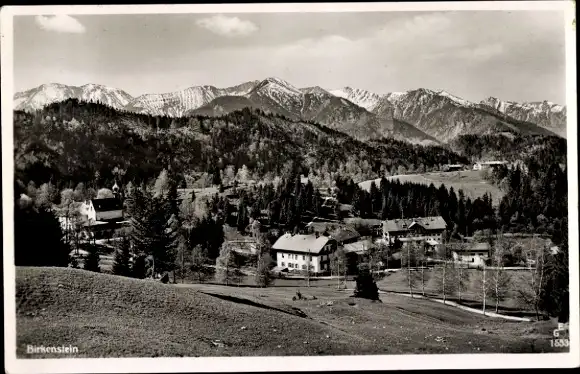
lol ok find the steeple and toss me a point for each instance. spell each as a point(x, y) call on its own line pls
point(115, 190)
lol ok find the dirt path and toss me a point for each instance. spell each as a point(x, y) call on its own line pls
point(456, 305)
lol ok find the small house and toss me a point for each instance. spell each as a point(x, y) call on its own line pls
point(475, 254)
point(452, 167)
point(482, 165)
point(359, 247)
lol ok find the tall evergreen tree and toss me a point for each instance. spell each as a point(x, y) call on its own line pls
point(122, 260)
point(92, 259)
point(38, 238)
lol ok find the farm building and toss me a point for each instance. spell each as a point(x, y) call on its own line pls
point(482, 165)
point(428, 229)
point(359, 247)
point(475, 254)
point(243, 246)
point(297, 252)
point(338, 231)
point(453, 167)
point(366, 226)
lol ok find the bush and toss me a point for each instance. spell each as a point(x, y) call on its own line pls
point(366, 287)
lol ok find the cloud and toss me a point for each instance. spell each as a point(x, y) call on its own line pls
point(60, 23)
point(481, 53)
point(228, 26)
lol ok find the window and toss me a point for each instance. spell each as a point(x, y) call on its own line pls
point(472, 260)
point(303, 267)
point(310, 258)
point(303, 257)
point(282, 255)
point(282, 264)
point(311, 267)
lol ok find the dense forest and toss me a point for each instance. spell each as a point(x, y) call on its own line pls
point(536, 199)
point(72, 142)
point(508, 147)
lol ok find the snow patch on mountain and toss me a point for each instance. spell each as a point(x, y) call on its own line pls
point(545, 114)
point(360, 97)
point(455, 99)
point(45, 94)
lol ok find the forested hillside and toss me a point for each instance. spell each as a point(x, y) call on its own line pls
point(548, 149)
point(72, 141)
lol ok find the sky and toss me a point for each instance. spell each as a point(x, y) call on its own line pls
point(517, 55)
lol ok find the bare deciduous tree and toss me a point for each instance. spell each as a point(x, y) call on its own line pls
point(532, 292)
point(409, 259)
point(499, 279)
point(444, 274)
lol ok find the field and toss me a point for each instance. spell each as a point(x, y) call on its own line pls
point(110, 316)
point(470, 181)
point(471, 296)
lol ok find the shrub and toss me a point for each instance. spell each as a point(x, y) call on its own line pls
point(366, 287)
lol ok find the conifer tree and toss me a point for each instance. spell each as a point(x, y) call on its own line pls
point(122, 260)
point(92, 259)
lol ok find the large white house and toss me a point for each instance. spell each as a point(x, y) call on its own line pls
point(424, 229)
point(298, 252)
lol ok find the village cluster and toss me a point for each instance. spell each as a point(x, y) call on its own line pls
point(309, 250)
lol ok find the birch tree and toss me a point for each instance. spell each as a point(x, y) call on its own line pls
point(533, 284)
point(461, 276)
point(408, 261)
point(499, 279)
point(443, 275)
point(421, 259)
point(307, 264)
point(338, 265)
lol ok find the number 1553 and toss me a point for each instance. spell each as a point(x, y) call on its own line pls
point(560, 343)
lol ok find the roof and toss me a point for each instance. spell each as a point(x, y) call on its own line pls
point(492, 162)
point(363, 221)
point(345, 207)
point(475, 247)
point(428, 223)
point(301, 243)
point(323, 226)
point(242, 246)
point(105, 205)
point(344, 233)
point(358, 247)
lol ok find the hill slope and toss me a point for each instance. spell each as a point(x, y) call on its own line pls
point(110, 316)
point(83, 138)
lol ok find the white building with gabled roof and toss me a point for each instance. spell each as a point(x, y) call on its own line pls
point(298, 252)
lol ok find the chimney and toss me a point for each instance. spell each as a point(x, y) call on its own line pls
point(317, 234)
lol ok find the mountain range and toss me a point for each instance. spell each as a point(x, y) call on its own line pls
point(420, 116)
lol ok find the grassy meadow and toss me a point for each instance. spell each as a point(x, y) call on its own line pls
point(470, 181)
point(111, 316)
